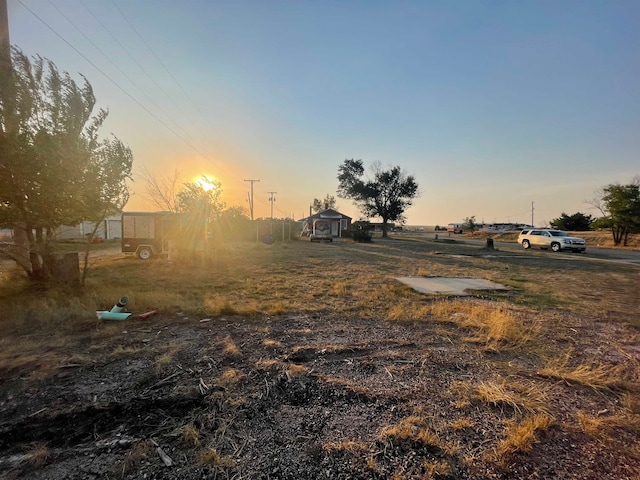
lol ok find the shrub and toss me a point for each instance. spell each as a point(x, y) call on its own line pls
point(361, 231)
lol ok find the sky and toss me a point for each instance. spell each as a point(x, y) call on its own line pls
point(503, 110)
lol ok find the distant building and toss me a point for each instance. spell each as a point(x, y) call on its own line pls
point(340, 224)
point(109, 229)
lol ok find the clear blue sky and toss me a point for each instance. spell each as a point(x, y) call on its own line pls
point(491, 105)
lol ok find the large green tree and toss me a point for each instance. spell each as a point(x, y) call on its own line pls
point(578, 222)
point(387, 194)
point(54, 169)
point(620, 207)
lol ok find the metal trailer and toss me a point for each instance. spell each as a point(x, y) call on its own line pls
point(145, 233)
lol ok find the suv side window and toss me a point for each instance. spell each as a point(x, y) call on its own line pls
point(524, 232)
point(535, 232)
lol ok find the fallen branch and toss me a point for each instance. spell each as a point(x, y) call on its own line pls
point(166, 379)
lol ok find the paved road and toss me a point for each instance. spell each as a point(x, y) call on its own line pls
point(593, 253)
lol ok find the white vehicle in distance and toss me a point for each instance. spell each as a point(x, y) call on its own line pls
point(556, 240)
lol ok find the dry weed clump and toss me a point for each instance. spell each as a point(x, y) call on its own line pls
point(603, 424)
point(230, 376)
point(461, 424)
point(435, 469)
point(496, 324)
point(520, 397)
point(191, 435)
point(134, 457)
point(346, 446)
point(407, 310)
point(596, 376)
point(230, 350)
point(415, 429)
point(38, 455)
point(211, 458)
point(520, 436)
point(270, 343)
point(294, 370)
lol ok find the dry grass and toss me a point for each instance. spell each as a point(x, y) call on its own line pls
point(140, 452)
point(211, 458)
point(38, 455)
point(230, 377)
point(347, 446)
point(461, 424)
point(413, 428)
point(520, 436)
point(191, 435)
point(520, 397)
point(230, 350)
point(435, 468)
point(496, 325)
point(167, 357)
point(604, 424)
point(596, 376)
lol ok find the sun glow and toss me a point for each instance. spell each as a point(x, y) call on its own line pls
point(205, 182)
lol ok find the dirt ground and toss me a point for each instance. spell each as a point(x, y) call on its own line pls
point(317, 396)
point(293, 398)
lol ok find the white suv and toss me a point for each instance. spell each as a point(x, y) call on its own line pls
point(556, 240)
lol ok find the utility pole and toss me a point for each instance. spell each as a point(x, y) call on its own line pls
point(532, 214)
point(251, 196)
point(271, 200)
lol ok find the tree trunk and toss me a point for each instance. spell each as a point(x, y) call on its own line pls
point(617, 235)
point(64, 268)
point(384, 228)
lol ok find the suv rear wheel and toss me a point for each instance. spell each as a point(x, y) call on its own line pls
point(526, 244)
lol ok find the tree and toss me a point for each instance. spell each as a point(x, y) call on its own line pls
point(105, 190)
point(53, 168)
point(578, 222)
point(193, 197)
point(387, 195)
point(470, 224)
point(162, 192)
point(328, 202)
point(233, 223)
point(620, 206)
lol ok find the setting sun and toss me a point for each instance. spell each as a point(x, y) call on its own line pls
point(206, 183)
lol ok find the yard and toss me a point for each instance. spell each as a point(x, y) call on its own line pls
point(299, 360)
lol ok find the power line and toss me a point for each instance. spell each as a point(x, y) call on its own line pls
point(116, 84)
point(161, 64)
point(124, 74)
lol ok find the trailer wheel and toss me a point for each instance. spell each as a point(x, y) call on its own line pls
point(145, 253)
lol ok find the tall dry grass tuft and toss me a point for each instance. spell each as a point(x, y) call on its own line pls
point(596, 376)
point(603, 425)
point(407, 310)
point(520, 436)
point(496, 325)
point(519, 396)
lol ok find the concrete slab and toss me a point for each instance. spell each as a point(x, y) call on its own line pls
point(452, 286)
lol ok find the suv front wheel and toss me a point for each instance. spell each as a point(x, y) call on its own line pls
point(526, 244)
point(555, 247)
